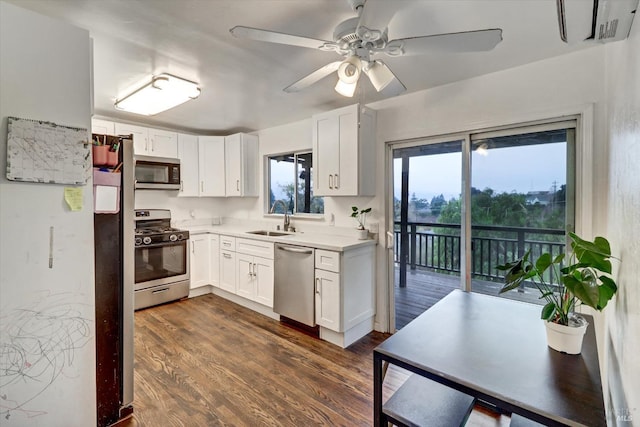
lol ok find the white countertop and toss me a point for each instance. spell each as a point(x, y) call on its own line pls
point(331, 242)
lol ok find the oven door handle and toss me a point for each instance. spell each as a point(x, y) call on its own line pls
point(164, 244)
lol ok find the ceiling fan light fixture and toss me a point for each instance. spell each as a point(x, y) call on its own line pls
point(349, 70)
point(379, 75)
point(162, 93)
point(346, 89)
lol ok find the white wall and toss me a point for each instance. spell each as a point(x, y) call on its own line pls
point(47, 356)
point(623, 229)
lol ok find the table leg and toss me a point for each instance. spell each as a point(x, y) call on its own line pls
point(378, 418)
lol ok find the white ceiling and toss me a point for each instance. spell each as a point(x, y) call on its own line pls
point(242, 80)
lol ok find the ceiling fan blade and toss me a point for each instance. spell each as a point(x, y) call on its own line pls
point(374, 19)
point(383, 79)
point(313, 77)
point(282, 38)
point(468, 41)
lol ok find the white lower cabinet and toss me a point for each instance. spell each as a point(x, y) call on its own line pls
point(344, 299)
point(255, 279)
point(199, 260)
point(214, 259)
point(255, 270)
point(328, 299)
point(228, 271)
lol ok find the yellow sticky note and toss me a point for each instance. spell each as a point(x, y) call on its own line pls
point(73, 196)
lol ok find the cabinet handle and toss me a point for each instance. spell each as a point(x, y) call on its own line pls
point(226, 255)
point(152, 148)
point(146, 144)
point(331, 181)
point(202, 186)
point(250, 269)
point(254, 270)
point(318, 285)
point(237, 185)
point(337, 182)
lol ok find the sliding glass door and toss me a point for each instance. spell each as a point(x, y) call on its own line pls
point(522, 199)
point(426, 226)
point(465, 204)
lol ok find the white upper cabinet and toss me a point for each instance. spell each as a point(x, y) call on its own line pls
point(140, 137)
point(163, 143)
point(241, 163)
point(201, 166)
point(103, 127)
point(211, 166)
point(150, 142)
point(188, 155)
point(344, 152)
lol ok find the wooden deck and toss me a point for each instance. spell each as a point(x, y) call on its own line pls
point(425, 288)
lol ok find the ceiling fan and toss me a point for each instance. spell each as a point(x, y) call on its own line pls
point(361, 39)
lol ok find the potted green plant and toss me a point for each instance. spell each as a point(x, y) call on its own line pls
point(361, 216)
point(583, 279)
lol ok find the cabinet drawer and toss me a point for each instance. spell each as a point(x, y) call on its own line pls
point(327, 260)
point(255, 247)
point(227, 243)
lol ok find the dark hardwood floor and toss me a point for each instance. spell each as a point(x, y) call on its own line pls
point(208, 362)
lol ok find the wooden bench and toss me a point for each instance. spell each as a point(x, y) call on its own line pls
point(422, 402)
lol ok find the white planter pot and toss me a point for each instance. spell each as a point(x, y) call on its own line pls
point(363, 234)
point(566, 339)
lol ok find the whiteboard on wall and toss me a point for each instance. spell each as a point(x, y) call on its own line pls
point(45, 152)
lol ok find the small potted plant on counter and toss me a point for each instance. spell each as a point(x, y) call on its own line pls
point(361, 216)
point(584, 280)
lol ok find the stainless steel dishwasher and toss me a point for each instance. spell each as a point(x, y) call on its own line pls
point(294, 290)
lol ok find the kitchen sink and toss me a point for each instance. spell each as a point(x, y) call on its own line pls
point(269, 233)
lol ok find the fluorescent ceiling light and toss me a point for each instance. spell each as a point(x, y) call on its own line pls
point(161, 93)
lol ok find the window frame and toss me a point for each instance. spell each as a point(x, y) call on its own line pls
point(267, 187)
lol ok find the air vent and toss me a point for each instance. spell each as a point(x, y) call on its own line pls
point(596, 20)
point(607, 30)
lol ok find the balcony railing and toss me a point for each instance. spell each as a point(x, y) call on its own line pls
point(436, 247)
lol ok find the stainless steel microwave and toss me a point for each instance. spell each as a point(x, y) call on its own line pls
point(157, 173)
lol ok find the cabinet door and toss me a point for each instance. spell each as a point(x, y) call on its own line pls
point(103, 127)
point(228, 271)
point(199, 263)
point(345, 180)
point(212, 166)
point(328, 300)
point(189, 164)
point(214, 265)
point(263, 269)
point(163, 143)
point(232, 156)
point(140, 137)
point(245, 278)
point(326, 149)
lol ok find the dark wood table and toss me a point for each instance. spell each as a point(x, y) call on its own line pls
point(495, 350)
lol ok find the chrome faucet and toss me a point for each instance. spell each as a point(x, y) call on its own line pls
point(287, 220)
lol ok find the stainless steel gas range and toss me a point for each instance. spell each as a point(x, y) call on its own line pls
point(161, 259)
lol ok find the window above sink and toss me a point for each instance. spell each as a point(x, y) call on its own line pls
point(290, 178)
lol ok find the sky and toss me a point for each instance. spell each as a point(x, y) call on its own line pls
point(519, 169)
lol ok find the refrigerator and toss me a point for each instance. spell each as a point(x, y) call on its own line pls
point(114, 285)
